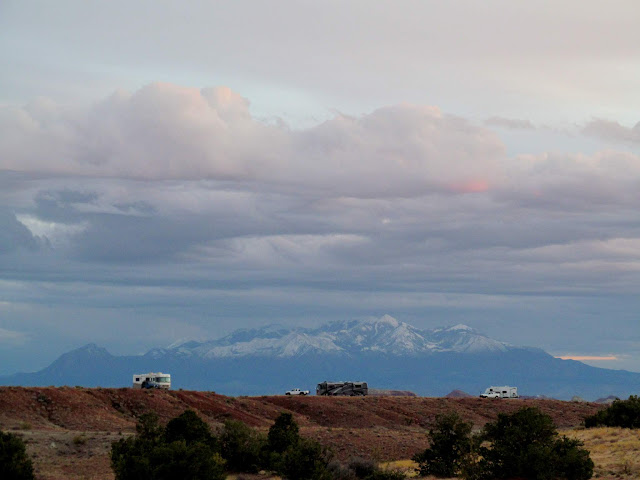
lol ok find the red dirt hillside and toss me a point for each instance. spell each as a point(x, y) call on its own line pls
point(378, 427)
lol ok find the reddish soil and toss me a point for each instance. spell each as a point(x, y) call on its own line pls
point(70, 430)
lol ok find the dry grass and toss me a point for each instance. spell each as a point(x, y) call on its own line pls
point(614, 451)
point(408, 467)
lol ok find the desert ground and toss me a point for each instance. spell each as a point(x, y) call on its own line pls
point(69, 430)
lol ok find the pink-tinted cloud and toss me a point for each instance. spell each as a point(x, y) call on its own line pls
point(164, 131)
point(604, 358)
point(472, 186)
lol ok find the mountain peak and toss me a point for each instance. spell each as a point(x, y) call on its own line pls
point(385, 335)
point(92, 350)
point(460, 327)
point(386, 320)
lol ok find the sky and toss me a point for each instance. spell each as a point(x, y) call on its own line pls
point(179, 169)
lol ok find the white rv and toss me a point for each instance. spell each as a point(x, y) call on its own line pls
point(500, 392)
point(152, 380)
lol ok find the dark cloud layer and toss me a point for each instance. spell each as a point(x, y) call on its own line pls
point(14, 235)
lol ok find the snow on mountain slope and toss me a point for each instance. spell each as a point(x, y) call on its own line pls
point(384, 335)
point(461, 338)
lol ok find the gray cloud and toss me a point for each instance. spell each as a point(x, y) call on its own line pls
point(613, 131)
point(177, 204)
point(512, 123)
point(172, 173)
point(14, 235)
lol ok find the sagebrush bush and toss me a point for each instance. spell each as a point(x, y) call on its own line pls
point(187, 449)
point(450, 441)
point(242, 447)
point(184, 449)
point(14, 462)
point(526, 445)
point(621, 413)
point(523, 445)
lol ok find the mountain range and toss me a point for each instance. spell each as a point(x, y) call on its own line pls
point(386, 336)
point(385, 352)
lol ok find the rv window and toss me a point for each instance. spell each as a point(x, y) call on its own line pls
point(137, 379)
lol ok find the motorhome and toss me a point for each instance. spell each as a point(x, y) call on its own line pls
point(500, 392)
point(342, 388)
point(152, 380)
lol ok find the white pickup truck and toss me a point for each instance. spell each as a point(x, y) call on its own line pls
point(297, 391)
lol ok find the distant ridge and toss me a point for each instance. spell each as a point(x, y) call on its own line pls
point(458, 394)
point(607, 400)
point(386, 353)
point(391, 393)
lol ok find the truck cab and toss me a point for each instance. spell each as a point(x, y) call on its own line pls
point(297, 391)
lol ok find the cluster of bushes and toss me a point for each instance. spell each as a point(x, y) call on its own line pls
point(186, 448)
point(522, 445)
point(621, 413)
point(14, 462)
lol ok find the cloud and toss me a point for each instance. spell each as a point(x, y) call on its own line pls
point(167, 132)
point(170, 172)
point(164, 132)
point(511, 123)
point(14, 234)
point(12, 337)
point(177, 203)
point(613, 131)
point(582, 358)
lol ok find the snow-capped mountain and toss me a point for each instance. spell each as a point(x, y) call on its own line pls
point(386, 353)
point(384, 335)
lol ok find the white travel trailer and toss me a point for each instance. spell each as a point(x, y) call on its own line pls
point(500, 392)
point(152, 380)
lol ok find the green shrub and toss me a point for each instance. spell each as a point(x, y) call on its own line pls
point(184, 449)
point(305, 460)
point(621, 413)
point(148, 427)
point(179, 460)
point(14, 462)
point(190, 428)
point(242, 447)
point(450, 441)
point(572, 462)
point(283, 433)
point(294, 457)
point(525, 445)
point(361, 467)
